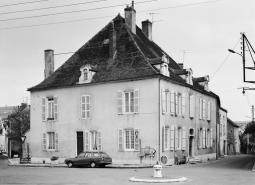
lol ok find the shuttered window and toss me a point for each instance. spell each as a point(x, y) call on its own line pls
point(163, 102)
point(85, 106)
point(208, 111)
point(50, 108)
point(137, 147)
point(50, 141)
point(192, 106)
point(128, 101)
point(166, 138)
point(128, 139)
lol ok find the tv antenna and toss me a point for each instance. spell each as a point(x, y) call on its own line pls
point(184, 53)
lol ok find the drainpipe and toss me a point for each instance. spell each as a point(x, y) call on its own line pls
point(159, 119)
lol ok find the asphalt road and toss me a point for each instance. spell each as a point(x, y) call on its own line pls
point(234, 170)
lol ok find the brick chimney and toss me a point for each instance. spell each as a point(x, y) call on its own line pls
point(147, 28)
point(130, 17)
point(49, 63)
point(112, 41)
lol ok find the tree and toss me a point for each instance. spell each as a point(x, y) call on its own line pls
point(248, 132)
point(17, 123)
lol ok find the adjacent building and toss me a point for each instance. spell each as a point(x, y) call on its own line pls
point(233, 140)
point(123, 94)
point(223, 131)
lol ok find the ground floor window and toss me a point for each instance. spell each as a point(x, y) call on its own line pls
point(128, 139)
point(50, 141)
point(93, 140)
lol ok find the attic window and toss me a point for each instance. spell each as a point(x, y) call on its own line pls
point(86, 74)
point(106, 41)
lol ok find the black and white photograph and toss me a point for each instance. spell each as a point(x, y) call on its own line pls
point(127, 92)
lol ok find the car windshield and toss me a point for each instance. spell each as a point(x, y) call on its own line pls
point(104, 155)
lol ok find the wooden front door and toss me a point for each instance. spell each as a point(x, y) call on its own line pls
point(79, 142)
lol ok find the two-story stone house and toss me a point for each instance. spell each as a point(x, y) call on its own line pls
point(121, 93)
point(223, 131)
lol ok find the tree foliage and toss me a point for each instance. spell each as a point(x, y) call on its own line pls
point(17, 123)
point(249, 132)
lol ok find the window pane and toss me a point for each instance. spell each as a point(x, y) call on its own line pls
point(132, 139)
point(87, 107)
point(127, 102)
point(127, 140)
point(131, 101)
point(87, 99)
point(83, 106)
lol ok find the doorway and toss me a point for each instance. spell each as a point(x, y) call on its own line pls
point(191, 138)
point(79, 142)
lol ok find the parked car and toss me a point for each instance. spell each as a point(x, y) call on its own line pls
point(92, 158)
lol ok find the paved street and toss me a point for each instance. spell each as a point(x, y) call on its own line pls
point(234, 170)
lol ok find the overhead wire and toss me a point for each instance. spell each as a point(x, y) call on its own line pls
point(29, 2)
point(78, 20)
point(225, 60)
point(52, 7)
point(77, 11)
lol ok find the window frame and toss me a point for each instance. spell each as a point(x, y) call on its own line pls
point(50, 143)
point(87, 106)
point(132, 103)
point(50, 108)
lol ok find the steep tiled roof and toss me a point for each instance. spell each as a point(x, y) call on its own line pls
point(135, 58)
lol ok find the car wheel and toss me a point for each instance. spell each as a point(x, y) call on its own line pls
point(70, 164)
point(92, 164)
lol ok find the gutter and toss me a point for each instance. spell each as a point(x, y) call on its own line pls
point(159, 119)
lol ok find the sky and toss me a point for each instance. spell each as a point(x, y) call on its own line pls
point(197, 33)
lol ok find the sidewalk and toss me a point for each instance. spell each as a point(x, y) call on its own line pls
point(16, 162)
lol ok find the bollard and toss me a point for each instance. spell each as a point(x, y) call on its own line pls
point(157, 170)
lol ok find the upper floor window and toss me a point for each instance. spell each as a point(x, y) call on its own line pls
point(202, 109)
point(128, 101)
point(50, 108)
point(85, 106)
point(177, 103)
point(165, 100)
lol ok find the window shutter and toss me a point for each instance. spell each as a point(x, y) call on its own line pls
point(83, 100)
point(176, 103)
point(172, 138)
point(55, 108)
point(120, 102)
point(200, 108)
point(87, 141)
point(192, 106)
point(44, 141)
point(120, 140)
point(100, 145)
point(203, 109)
point(211, 140)
point(137, 147)
point(198, 138)
point(209, 111)
point(56, 141)
point(163, 138)
point(172, 102)
point(183, 104)
point(176, 137)
point(43, 109)
point(203, 138)
point(88, 106)
point(183, 138)
point(136, 101)
point(163, 98)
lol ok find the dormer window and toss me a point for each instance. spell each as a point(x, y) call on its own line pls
point(86, 74)
point(164, 66)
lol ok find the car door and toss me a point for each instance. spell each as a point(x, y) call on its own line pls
point(87, 158)
point(96, 157)
point(80, 159)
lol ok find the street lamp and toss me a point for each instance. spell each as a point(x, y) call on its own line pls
point(23, 138)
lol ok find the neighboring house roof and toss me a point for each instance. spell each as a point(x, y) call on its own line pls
point(233, 123)
point(135, 59)
point(225, 110)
